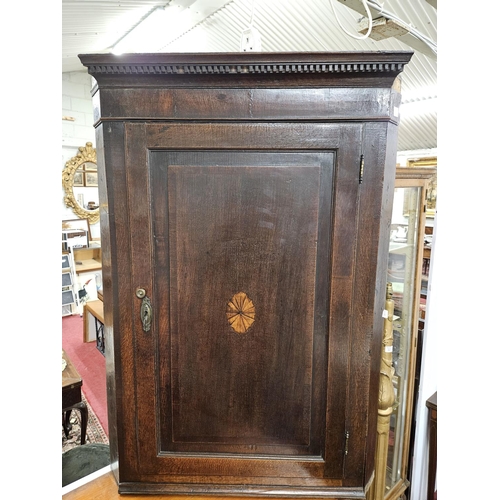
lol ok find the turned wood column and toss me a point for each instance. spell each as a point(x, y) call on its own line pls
point(385, 401)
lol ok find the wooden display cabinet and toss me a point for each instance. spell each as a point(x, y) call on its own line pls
point(406, 260)
point(245, 208)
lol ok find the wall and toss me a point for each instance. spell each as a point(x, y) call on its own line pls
point(77, 128)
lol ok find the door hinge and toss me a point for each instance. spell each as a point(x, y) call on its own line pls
point(346, 449)
point(361, 168)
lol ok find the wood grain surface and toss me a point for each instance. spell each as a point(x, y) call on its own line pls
point(229, 174)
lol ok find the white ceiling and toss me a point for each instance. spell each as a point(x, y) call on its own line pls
point(94, 26)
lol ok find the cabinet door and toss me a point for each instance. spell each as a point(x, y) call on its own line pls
point(241, 238)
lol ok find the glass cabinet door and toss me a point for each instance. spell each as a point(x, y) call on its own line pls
point(404, 272)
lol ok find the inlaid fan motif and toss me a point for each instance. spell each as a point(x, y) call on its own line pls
point(240, 312)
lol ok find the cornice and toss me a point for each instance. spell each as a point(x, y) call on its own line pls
point(227, 69)
point(246, 63)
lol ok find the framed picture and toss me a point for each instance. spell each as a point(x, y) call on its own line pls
point(422, 162)
point(78, 179)
point(91, 179)
point(76, 224)
point(89, 166)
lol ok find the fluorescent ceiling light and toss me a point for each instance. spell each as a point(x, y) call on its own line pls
point(419, 101)
point(382, 28)
point(165, 24)
point(145, 37)
point(421, 107)
point(419, 94)
point(386, 25)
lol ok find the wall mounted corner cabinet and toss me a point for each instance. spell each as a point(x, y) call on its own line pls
point(245, 209)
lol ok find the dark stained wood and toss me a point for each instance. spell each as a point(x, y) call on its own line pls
point(275, 62)
point(247, 70)
point(281, 136)
point(72, 397)
point(374, 213)
point(431, 404)
point(104, 488)
point(257, 225)
point(70, 376)
point(237, 176)
point(253, 104)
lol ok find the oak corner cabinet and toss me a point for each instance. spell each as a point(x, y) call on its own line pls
point(245, 217)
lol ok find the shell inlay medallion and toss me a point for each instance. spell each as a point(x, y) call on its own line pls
point(240, 312)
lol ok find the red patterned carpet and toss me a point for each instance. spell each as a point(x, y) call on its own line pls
point(90, 364)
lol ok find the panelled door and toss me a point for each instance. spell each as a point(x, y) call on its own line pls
point(237, 252)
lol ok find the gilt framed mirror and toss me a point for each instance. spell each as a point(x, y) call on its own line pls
point(79, 179)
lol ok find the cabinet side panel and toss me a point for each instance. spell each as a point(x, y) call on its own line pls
point(369, 286)
point(116, 264)
point(107, 261)
point(108, 249)
point(389, 137)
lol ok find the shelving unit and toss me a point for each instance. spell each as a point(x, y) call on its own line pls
point(81, 263)
point(87, 259)
point(67, 285)
point(74, 238)
point(88, 273)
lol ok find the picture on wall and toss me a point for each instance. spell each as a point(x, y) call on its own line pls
point(91, 179)
point(76, 224)
point(78, 179)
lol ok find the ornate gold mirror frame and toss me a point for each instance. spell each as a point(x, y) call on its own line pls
point(86, 154)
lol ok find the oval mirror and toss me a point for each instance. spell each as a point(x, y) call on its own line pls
point(79, 180)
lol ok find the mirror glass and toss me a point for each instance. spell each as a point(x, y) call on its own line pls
point(80, 182)
point(401, 273)
point(85, 186)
